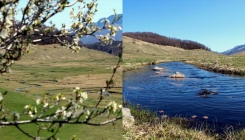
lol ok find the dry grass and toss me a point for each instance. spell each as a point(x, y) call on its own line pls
point(147, 126)
point(239, 54)
point(56, 69)
point(164, 131)
point(142, 53)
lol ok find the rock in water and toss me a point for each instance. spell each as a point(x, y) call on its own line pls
point(177, 75)
point(156, 68)
point(205, 92)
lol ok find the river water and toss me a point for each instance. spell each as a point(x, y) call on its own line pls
point(180, 97)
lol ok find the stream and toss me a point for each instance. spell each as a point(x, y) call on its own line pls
point(181, 97)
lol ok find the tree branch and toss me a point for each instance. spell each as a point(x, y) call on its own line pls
point(27, 134)
point(16, 123)
point(69, 5)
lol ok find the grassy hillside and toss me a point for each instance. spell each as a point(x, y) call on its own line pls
point(239, 54)
point(142, 53)
point(53, 69)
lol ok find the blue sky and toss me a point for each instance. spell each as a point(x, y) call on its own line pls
point(218, 24)
point(105, 9)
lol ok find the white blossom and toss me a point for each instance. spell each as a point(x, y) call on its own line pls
point(27, 106)
point(112, 106)
point(59, 97)
point(4, 33)
point(76, 89)
point(71, 11)
point(46, 105)
point(120, 106)
point(30, 110)
point(36, 30)
point(119, 28)
point(23, 28)
point(61, 112)
point(83, 96)
point(87, 112)
point(38, 101)
point(68, 114)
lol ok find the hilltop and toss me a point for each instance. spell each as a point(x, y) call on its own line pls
point(165, 41)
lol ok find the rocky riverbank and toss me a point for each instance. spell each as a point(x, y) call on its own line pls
point(212, 66)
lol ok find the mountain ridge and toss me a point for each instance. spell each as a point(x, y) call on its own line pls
point(236, 49)
point(88, 39)
point(114, 48)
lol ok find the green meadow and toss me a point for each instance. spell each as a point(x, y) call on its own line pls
point(52, 69)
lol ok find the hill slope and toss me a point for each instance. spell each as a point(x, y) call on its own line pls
point(137, 53)
point(114, 48)
point(234, 50)
point(239, 54)
point(166, 41)
point(53, 67)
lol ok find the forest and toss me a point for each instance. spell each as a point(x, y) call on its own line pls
point(165, 41)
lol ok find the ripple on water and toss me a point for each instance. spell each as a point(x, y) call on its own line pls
point(157, 91)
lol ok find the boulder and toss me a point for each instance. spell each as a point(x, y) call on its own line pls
point(128, 119)
point(205, 92)
point(156, 68)
point(177, 75)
